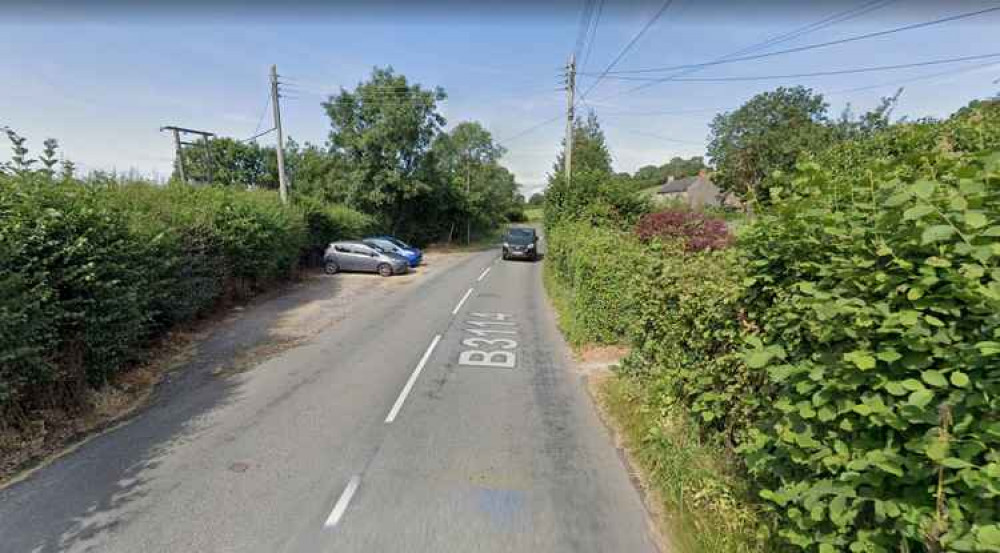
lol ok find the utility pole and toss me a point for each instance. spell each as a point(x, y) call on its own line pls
point(206, 137)
point(180, 155)
point(570, 101)
point(282, 182)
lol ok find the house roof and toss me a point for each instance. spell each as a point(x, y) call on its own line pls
point(678, 185)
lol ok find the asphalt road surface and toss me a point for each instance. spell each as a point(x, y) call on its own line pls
point(440, 416)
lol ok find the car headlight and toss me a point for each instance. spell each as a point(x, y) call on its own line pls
point(506, 245)
point(531, 246)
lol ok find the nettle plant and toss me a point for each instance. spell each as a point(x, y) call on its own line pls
point(875, 308)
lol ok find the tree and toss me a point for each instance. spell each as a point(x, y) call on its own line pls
point(383, 132)
point(766, 134)
point(594, 192)
point(467, 159)
point(537, 199)
point(229, 161)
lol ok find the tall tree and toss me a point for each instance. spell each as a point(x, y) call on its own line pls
point(766, 134)
point(383, 132)
point(594, 192)
point(468, 159)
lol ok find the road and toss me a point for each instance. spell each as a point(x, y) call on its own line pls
point(443, 415)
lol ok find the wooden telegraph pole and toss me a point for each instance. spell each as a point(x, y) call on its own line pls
point(282, 181)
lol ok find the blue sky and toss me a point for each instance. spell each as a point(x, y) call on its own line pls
point(103, 82)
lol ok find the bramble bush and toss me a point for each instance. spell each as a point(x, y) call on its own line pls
point(89, 274)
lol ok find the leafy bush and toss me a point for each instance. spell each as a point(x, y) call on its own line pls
point(90, 274)
point(595, 267)
point(696, 231)
point(328, 223)
point(877, 301)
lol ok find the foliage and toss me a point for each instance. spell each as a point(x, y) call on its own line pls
point(677, 167)
point(594, 266)
point(330, 222)
point(229, 161)
point(595, 194)
point(710, 506)
point(695, 230)
point(92, 273)
point(467, 161)
point(765, 134)
point(875, 292)
point(383, 132)
point(844, 354)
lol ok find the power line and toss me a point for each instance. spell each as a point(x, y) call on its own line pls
point(817, 73)
point(586, 14)
point(260, 134)
point(530, 129)
point(828, 21)
point(631, 43)
point(593, 34)
point(263, 112)
point(664, 138)
point(812, 46)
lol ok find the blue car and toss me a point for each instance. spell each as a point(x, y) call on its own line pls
point(394, 245)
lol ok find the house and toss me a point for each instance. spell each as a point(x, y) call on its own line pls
point(697, 192)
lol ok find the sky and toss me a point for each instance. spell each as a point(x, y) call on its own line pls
point(102, 78)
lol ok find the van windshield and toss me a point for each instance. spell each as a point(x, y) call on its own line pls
point(520, 236)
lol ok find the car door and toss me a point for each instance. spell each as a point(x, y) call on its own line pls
point(365, 258)
point(343, 257)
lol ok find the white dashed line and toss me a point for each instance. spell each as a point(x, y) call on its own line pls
point(409, 383)
point(484, 273)
point(341, 506)
point(461, 301)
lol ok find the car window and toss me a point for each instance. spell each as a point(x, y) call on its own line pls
point(384, 244)
point(399, 243)
point(341, 248)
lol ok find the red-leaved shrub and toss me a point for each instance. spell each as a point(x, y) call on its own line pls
point(694, 229)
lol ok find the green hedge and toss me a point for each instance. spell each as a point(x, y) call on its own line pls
point(594, 267)
point(847, 351)
point(875, 297)
point(88, 275)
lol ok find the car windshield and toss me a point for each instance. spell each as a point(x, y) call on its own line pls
point(382, 245)
point(377, 247)
point(520, 236)
point(398, 243)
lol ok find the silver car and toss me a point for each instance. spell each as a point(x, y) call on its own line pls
point(350, 255)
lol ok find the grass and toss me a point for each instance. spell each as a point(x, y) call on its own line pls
point(706, 505)
point(534, 214)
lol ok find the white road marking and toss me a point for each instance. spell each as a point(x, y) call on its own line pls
point(341, 506)
point(413, 378)
point(461, 301)
point(484, 273)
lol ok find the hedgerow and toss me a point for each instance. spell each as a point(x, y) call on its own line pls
point(595, 267)
point(89, 274)
point(875, 295)
point(846, 351)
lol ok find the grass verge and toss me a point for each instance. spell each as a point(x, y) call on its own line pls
point(704, 505)
point(697, 496)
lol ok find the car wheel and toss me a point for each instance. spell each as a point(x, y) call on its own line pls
point(385, 270)
point(331, 267)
